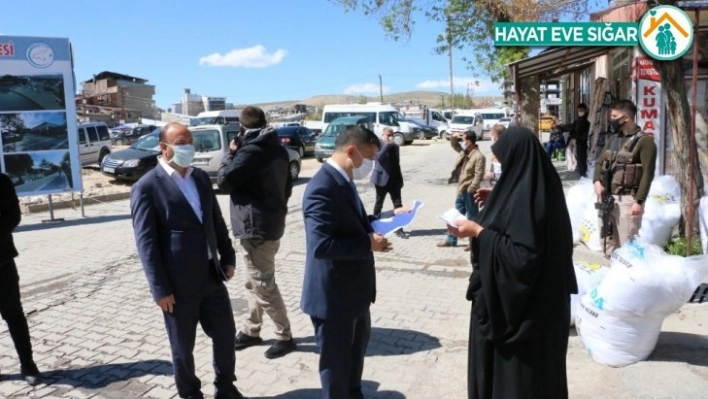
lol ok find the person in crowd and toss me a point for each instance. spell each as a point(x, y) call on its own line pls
point(579, 130)
point(256, 174)
point(471, 165)
point(186, 253)
point(494, 171)
point(339, 285)
point(556, 141)
point(387, 176)
point(630, 155)
point(10, 299)
point(522, 260)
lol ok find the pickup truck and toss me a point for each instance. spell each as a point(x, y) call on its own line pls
point(315, 126)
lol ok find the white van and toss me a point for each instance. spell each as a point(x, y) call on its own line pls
point(491, 116)
point(94, 141)
point(381, 116)
point(215, 118)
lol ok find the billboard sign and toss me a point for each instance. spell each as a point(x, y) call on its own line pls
point(38, 134)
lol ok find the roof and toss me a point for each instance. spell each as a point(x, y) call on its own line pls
point(556, 61)
point(114, 75)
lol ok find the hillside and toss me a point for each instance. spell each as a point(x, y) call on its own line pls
point(429, 98)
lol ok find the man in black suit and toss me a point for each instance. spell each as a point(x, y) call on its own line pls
point(387, 176)
point(10, 303)
point(186, 253)
point(340, 277)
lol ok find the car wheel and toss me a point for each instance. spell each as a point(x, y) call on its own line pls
point(102, 155)
point(445, 135)
point(295, 169)
point(320, 160)
point(301, 151)
point(399, 139)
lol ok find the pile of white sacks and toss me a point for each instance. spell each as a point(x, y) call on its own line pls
point(619, 311)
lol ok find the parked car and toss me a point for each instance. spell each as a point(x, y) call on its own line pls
point(505, 121)
point(136, 160)
point(426, 132)
point(325, 143)
point(462, 123)
point(126, 137)
point(298, 138)
point(94, 142)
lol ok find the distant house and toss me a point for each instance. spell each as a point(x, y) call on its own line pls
point(115, 96)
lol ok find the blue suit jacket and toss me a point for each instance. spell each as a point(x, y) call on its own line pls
point(340, 278)
point(387, 170)
point(173, 244)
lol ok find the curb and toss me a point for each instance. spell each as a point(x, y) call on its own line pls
point(97, 199)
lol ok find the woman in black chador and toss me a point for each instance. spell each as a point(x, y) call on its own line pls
point(523, 276)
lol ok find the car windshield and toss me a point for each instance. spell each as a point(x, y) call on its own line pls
point(492, 116)
point(204, 120)
point(461, 119)
point(206, 140)
point(150, 142)
point(333, 130)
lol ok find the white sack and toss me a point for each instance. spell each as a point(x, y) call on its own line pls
point(588, 276)
point(662, 211)
point(590, 229)
point(619, 321)
point(703, 221)
point(577, 200)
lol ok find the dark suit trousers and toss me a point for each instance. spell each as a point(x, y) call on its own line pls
point(12, 313)
point(381, 192)
point(581, 151)
point(212, 309)
point(342, 345)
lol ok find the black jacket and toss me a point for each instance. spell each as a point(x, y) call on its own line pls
point(579, 129)
point(10, 216)
point(387, 169)
point(257, 177)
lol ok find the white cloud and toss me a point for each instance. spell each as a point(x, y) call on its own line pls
point(365, 88)
point(477, 86)
point(251, 57)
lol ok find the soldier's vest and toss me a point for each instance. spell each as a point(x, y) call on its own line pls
point(626, 171)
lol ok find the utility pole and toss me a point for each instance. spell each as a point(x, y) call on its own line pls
point(381, 88)
point(449, 43)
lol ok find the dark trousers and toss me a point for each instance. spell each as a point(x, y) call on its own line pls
point(342, 345)
point(211, 309)
point(12, 313)
point(581, 154)
point(464, 203)
point(381, 192)
point(551, 146)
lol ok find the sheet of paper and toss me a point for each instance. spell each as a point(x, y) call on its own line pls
point(451, 215)
point(388, 226)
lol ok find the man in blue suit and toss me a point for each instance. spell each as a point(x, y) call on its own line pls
point(340, 280)
point(186, 253)
point(387, 176)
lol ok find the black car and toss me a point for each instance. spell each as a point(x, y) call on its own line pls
point(298, 138)
point(132, 135)
point(133, 162)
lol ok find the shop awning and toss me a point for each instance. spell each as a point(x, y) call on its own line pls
point(556, 61)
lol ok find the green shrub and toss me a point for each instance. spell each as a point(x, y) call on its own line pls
point(678, 246)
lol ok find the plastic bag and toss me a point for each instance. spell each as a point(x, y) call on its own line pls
point(588, 276)
point(590, 229)
point(703, 221)
point(577, 201)
point(662, 211)
point(619, 321)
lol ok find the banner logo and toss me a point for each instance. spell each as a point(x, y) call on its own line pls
point(666, 33)
point(40, 55)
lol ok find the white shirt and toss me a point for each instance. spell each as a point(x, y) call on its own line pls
point(187, 186)
point(339, 169)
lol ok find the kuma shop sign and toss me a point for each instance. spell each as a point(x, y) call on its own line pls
point(664, 33)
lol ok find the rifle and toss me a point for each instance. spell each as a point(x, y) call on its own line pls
point(605, 206)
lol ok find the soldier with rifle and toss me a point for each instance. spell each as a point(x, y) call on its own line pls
point(623, 175)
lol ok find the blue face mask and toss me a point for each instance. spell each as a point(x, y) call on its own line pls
point(183, 154)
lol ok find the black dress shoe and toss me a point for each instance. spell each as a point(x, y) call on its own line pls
point(243, 341)
point(233, 394)
point(402, 234)
point(280, 349)
point(31, 374)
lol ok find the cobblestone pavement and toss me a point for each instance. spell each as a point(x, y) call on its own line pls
point(97, 334)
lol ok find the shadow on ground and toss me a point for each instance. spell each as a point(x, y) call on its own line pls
point(71, 222)
point(681, 347)
point(370, 389)
point(385, 342)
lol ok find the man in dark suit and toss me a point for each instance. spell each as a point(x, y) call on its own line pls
point(186, 253)
point(387, 176)
point(10, 303)
point(340, 282)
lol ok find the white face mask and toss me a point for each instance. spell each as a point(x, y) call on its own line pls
point(463, 144)
point(581, 113)
point(364, 171)
point(183, 154)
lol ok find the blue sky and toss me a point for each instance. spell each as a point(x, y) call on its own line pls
point(32, 119)
point(249, 52)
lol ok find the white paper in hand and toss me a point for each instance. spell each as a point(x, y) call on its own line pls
point(451, 216)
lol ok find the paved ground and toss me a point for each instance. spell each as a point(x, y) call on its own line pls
point(97, 333)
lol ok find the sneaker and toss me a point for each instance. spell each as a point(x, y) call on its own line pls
point(445, 244)
point(31, 374)
point(280, 349)
point(402, 234)
point(243, 341)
